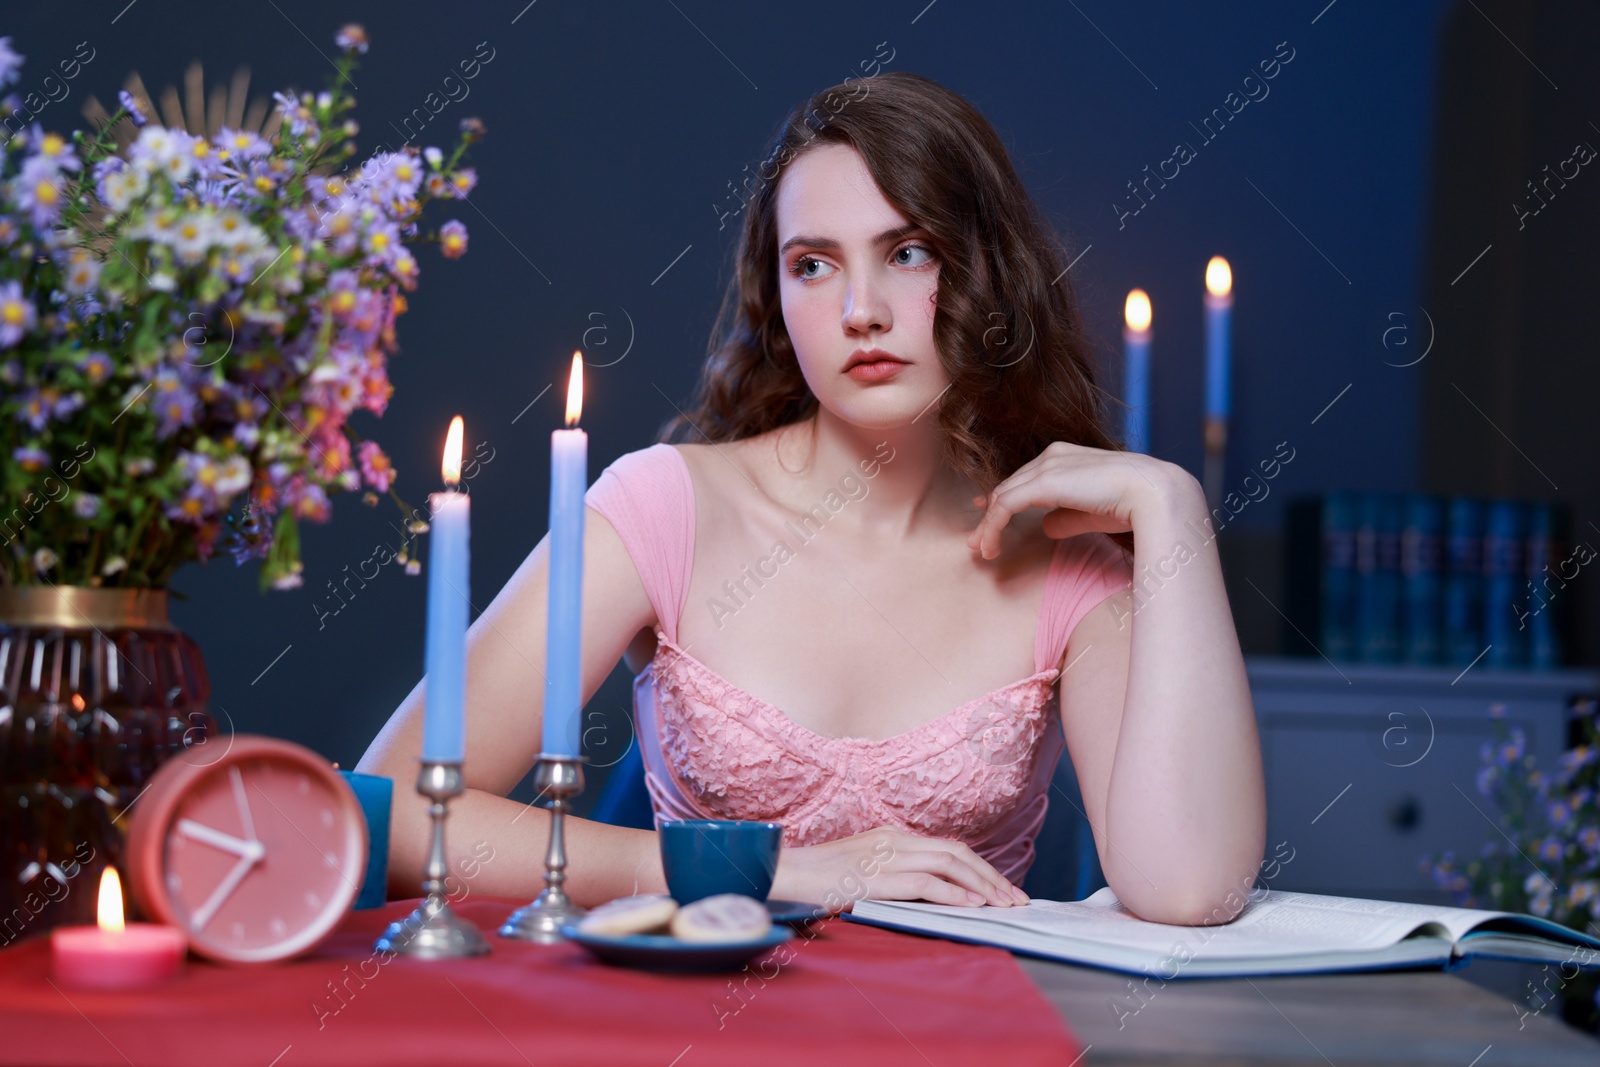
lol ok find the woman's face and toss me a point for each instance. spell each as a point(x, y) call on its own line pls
point(854, 274)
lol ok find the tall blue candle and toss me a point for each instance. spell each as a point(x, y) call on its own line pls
point(1219, 315)
point(1136, 365)
point(444, 710)
point(569, 480)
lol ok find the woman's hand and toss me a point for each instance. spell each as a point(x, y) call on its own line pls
point(890, 864)
point(1087, 489)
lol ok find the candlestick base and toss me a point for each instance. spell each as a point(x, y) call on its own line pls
point(433, 931)
point(560, 778)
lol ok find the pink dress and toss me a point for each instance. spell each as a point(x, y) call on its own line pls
point(980, 773)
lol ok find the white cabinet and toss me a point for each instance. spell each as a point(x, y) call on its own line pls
point(1370, 767)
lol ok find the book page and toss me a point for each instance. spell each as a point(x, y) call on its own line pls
point(1280, 924)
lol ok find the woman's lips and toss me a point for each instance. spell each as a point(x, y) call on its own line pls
point(876, 370)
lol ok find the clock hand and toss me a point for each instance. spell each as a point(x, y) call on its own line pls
point(200, 918)
point(244, 806)
point(218, 839)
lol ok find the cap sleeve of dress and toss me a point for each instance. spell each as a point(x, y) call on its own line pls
point(648, 498)
point(1083, 571)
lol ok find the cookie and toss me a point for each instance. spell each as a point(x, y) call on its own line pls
point(724, 917)
point(629, 915)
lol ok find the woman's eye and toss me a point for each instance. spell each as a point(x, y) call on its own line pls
point(799, 270)
point(900, 252)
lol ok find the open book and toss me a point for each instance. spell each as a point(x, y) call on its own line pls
point(1278, 933)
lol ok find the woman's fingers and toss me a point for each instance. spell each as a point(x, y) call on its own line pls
point(953, 869)
point(920, 885)
point(1016, 494)
point(994, 884)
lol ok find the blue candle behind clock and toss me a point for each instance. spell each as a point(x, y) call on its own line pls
point(449, 601)
point(569, 480)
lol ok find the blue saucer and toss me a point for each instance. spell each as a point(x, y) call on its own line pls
point(661, 952)
point(794, 913)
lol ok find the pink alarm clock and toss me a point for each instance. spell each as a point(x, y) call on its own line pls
point(255, 854)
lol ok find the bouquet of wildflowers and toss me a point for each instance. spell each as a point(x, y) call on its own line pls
point(1548, 862)
point(187, 325)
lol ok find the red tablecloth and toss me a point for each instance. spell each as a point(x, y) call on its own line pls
point(851, 994)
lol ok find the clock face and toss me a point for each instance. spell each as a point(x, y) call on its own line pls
point(256, 856)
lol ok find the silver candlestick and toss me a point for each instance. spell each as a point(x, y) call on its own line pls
point(433, 931)
point(560, 778)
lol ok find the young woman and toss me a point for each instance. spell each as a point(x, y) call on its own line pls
point(893, 572)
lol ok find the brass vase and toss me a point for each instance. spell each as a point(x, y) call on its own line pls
point(97, 690)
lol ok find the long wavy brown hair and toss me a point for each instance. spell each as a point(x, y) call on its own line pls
point(1006, 324)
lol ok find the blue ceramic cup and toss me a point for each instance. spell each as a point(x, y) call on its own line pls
point(704, 857)
point(376, 795)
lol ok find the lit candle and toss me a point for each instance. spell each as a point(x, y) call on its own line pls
point(443, 718)
point(1136, 362)
point(569, 480)
point(1219, 316)
point(115, 954)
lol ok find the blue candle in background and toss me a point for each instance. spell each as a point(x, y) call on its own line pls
point(376, 794)
point(1136, 364)
point(569, 481)
point(1219, 316)
point(443, 717)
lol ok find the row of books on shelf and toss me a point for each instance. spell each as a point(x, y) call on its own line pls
point(1414, 578)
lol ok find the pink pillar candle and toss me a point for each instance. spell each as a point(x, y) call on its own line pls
point(116, 954)
point(140, 954)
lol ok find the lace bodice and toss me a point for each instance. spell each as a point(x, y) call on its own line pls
point(980, 773)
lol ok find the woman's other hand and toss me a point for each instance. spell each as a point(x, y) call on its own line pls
point(890, 864)
point(1083, 490)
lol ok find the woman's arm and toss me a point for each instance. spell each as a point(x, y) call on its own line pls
point(1162, 728)
point(1156, 703)
point(504, 723)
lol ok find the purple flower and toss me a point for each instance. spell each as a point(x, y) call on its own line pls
point(172, 401)
point(310, 500)
point(30, 458)
point(351, 38)
point(53, 147)
point(375, 466)
point(240, 144)
point(16, 314)
point(131, 106)
point(39, 191)
point(80, 271)
point(41, 404)
point(464, 181)
point(382, 243)
point(10, 62)
point(188, 508)
point(118, 187)
point(453, 239)
point(298, 116)
point(97, 367)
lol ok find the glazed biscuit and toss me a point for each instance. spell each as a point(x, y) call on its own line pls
point(629, 915)
point(724, 917)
